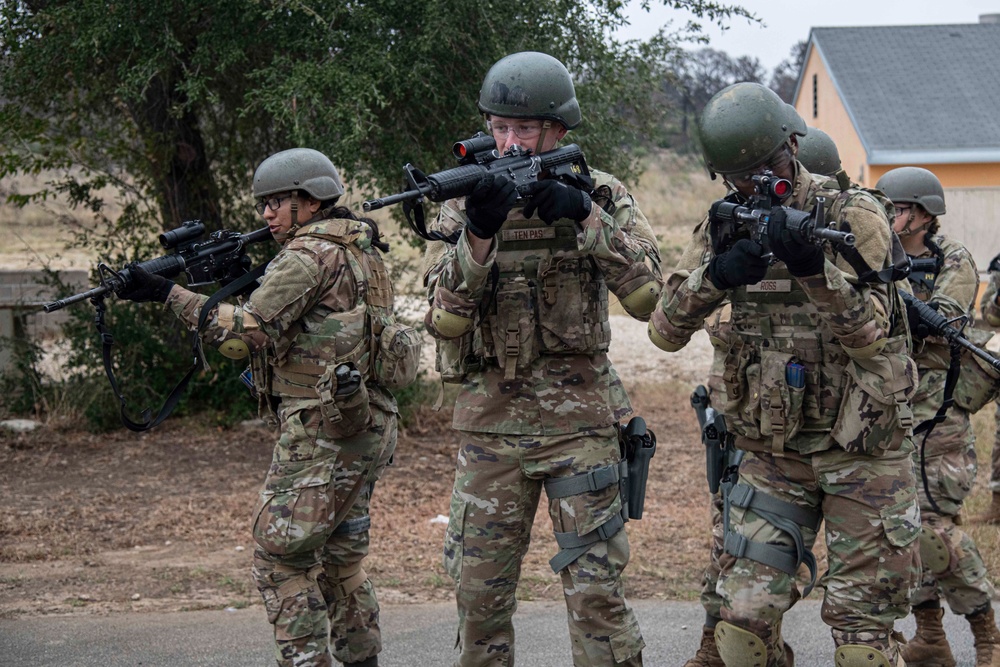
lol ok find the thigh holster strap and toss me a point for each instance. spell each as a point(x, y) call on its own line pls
point(354, 526)
point(782, 515)
point(572, 545)
point(595, 480)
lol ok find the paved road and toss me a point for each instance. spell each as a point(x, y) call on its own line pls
point(414, 635)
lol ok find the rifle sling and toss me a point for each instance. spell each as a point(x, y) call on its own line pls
point(107, 341)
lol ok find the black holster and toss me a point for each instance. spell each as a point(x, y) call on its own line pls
point(638, 444)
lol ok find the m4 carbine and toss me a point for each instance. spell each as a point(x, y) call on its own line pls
point(478, 157)
point(728, 217)
point(221, 258)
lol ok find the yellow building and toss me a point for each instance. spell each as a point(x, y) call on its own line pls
point(925, 96)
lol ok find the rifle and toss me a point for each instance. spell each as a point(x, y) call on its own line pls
point(222, 258)
point(478, 157)
point(939, 326)
point(713, 432)
point(728, 217)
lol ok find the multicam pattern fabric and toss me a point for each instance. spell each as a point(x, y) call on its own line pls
point(836, 445)
point(991, 316)
point(948, 450)
point(498, 481)
point(309, 313)
point(872, 522)
point(538, 399)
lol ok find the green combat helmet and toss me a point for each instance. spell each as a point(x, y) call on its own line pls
point(743, 125)
point(818, 154)
point(298, 169)
point(913, 185)
point(530, 85)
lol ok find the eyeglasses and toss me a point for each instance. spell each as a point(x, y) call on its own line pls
point(274, 203)
point(520, 130)
point(900, 210)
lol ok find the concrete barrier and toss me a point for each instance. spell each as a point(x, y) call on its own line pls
point(22, 293)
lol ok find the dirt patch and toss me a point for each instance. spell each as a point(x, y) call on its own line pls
point(160, 521)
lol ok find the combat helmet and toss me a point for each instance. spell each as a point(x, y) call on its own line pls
point(743, 125)
point(530, 84)
point(302, 169)
point(818, 154)
point(913, 185)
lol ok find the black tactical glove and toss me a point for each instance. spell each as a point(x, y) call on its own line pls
point(802, 257)
point(740, 265)
point(488, 205)
point(917, 327)
point(145, 286)
point(554, 200)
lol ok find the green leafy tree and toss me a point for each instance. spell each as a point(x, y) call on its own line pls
point(170, 105)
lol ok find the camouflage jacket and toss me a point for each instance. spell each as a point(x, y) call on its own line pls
point(845, 336)
point(953, 293)
point(305, 312)
point(988, 303)
point(535, 361)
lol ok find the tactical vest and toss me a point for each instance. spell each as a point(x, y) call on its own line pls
point(302, 358)
point(786, 373)
point(549, 298)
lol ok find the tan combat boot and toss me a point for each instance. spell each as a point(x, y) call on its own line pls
point(987, 638)
point(929, 647)
point(707, 654)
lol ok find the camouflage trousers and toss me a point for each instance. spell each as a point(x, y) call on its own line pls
point(709, 597)
point(872, 521)
point(311, 529)
point(498, 482)
point(951, 567)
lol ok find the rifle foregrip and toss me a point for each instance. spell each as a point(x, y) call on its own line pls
point(167, 266)
point(457, 182)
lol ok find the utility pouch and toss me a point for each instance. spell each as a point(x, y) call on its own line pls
point(513, 327)
point(398, 356)
point(456, 357)
point(780, 401)
point(978, 383)
point(343, 400)
point(638, 444)
point(875, 415)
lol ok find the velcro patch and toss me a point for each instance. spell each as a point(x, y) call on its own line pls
point(778, 285)
point(528, 234)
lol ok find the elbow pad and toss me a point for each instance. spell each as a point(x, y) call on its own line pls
point(449, 325)
point(642, 301)
point(661, 342)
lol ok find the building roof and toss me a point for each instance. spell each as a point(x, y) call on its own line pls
point(927, 94)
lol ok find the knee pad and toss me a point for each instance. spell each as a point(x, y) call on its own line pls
point(859, 655)
point(739, 647)
point(934, 552)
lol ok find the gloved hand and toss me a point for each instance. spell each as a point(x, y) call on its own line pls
point(740, 265)
point(555, 200)
point(801, 257)
point(145, 286)
point(917, 327)
point(488, 205)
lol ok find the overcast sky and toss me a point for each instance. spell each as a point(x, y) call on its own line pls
point(788, 21)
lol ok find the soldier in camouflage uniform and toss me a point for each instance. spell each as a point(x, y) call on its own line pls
point(817, 384)
point(519, 305)
point(314, 311)
point(991, 315)
point(945, 277)
point(819, 155)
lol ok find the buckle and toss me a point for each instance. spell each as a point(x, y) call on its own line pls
point(512, 343)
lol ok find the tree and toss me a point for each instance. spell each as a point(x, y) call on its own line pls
point(701, 74)
point(786, 75)
point(174, 102)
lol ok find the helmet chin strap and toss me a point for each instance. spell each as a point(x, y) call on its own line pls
point(909, 221)
point(541, 137)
